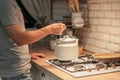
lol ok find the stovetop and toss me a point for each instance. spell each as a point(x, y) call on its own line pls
point(84, 66)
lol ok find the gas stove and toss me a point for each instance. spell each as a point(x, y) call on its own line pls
point(84, 66)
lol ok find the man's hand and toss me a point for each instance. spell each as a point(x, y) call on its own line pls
point(56, 28)
point(36, 55)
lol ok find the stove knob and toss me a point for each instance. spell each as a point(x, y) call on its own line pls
point(105, 67)
point(113, 66)
point(97, 68)
point(88, 70)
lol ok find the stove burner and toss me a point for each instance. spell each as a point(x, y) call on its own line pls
point(59, 62)
point(75, 67)
point(87, 59)
point(85, 65)
point(100, 65)
point(79, 67)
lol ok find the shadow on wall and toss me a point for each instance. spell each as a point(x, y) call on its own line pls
point(83, 1)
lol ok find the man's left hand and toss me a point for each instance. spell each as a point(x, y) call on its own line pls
point(36, 55)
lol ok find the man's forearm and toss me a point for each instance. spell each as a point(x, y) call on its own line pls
point(29, 37)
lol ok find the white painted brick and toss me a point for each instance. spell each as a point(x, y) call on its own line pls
point(115, 6)
point(101, 50)
point(95, 1)
point(94, 21)
point(95, 49)
point(104, 36)
point(91, 14)
point(102, 28)
point(94, 28)
point(90, 21)
point(113, 0)
point(113, 47)
point(93, 35)
point(94, 6)
point(105, 21)
point(114, 30)
point(101, 44)
point(115, 39)
point(116, 22)
point(111, 14)
point(99, 14)
point(90, 48)
point(102, 1)
point(91, 41)
point(118, 15)
point(106, 6)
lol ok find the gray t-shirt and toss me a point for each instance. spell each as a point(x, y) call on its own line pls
point(14, 59)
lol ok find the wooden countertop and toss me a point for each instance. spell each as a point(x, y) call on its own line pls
point(41, 63)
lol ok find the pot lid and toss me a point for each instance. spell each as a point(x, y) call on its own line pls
point(67, 39)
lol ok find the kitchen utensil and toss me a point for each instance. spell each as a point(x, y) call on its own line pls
point(76, 5)
point(66, 48)
point(77, 20)
point(107, 57)
point(72, 5)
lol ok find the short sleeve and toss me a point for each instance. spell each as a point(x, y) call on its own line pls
point(8, 13)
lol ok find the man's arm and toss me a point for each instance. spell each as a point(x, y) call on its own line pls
point(21, 37)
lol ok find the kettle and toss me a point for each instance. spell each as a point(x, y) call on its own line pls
point(66, 48)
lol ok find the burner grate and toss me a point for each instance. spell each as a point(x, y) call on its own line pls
point(84, 66)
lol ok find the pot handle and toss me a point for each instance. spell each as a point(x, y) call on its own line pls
point(66, 36)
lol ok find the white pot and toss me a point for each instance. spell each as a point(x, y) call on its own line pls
point(66, 49)
point(52, 44)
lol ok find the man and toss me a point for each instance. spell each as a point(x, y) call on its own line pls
point(14, 40)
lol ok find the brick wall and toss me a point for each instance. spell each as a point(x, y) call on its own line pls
point(103, 33)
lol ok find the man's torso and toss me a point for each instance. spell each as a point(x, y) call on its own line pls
point(14, 59)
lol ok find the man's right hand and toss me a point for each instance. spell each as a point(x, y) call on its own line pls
point(57, 28)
